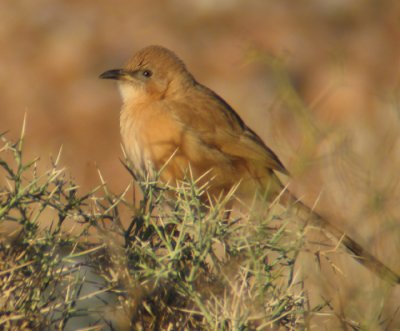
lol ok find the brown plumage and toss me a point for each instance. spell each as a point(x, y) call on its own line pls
point(166, 112)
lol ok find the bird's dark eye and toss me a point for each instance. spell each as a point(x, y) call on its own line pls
point(147, 73)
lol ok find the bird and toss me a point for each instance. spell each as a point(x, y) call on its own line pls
point(171, 122)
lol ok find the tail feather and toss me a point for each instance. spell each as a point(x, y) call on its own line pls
point(357, 251)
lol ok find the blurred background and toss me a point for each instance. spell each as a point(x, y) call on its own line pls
point(319, 81)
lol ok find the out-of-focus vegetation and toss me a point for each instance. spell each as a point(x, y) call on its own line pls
point(317, 80)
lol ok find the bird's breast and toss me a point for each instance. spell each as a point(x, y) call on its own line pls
point(151, 137)
point(131, 126)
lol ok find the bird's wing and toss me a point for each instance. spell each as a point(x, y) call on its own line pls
point(217, 125)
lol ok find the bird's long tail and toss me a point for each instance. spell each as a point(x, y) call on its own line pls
point(359, 253)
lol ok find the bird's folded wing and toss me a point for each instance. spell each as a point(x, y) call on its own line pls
point(217, 125)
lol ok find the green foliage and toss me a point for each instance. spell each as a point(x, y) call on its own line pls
point(173, 263)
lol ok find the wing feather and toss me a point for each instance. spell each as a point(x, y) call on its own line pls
point(217, 125)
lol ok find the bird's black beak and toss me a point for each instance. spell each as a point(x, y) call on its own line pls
point(113, 74)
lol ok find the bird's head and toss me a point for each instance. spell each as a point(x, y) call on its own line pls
point(154, 72)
